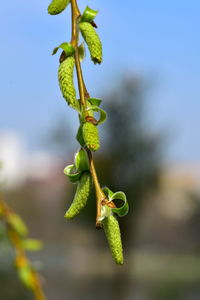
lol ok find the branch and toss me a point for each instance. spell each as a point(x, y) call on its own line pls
point(83, 95)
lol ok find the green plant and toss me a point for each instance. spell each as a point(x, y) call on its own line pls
point(17, 234)
point(83, 170)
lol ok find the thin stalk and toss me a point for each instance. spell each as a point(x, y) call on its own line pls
point(83, 95)
point(100, 196)
point(74, 41)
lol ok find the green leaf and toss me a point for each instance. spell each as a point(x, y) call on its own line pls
point(88, 15)
point(17, 224)
point(79, 136)
point(123, 210)
point(103, 115)
point(26, 276)
point(120, 211)
point(81, 161)
point(67, 47)
point(71, 172)
point(107, 192)
point(81, 51)
point(95, 101)
point(32, 244)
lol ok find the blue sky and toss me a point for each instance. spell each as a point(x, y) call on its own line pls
point(160, 41)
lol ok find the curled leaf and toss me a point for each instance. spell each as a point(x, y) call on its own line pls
point(72, 173)
point(67, 47)
point(81, 161)
point(102, 113)
point(88, 14)
point(95, 101)
point(122, 210)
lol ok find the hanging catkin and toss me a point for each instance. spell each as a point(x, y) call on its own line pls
point(81, 196)
point(57, 6)
point(66, 82)
point(112, 231)
point(92, 40)
point(91, 136)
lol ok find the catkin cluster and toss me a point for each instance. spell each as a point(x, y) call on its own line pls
point(83, 172)
point(92, 40)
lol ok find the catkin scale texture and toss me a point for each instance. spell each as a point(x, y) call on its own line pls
point(91, 136)
point(112, 231)
point(92, 40)
point(66, 82)
point(81, 196)
point(57, 6)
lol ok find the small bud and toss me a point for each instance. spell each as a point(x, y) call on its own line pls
point(112, 231)
point(57, 6)
point(81, 196)
point(91, 136)
point(92, 40)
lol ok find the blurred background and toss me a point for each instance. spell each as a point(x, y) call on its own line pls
point(149, 83)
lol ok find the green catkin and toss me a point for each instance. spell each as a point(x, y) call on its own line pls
point(81, 196)
point(66, 82)
point(57, 6)
point(112, 231)
point(91, 136)
point(92, 40)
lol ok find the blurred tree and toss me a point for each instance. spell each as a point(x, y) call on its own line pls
point(193, 225)
point(130, 162)
point(59, 140)
point(132, 157)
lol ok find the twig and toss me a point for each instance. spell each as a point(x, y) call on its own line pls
point(83, 95)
